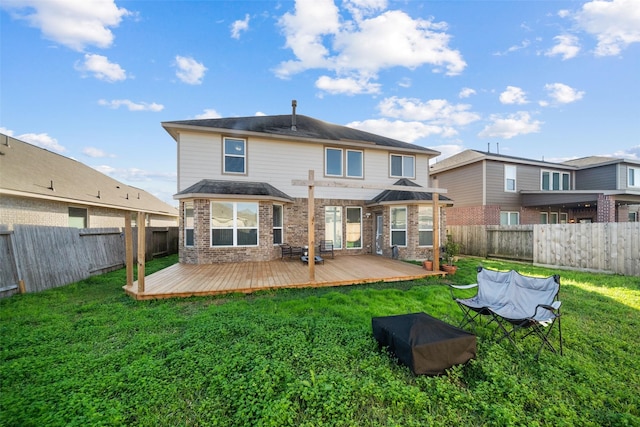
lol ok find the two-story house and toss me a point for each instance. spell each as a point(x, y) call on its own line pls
point(495, 189)
point(239, 202)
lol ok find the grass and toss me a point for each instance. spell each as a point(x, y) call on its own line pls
point(88, 355)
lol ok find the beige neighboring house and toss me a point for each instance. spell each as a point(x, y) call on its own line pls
point(39, 187)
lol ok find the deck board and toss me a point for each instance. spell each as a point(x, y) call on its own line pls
point(184, 280)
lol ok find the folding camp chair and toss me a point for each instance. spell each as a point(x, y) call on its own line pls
point(492, 290)
point(533, 308)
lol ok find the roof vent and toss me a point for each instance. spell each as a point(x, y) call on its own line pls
point(294, 104)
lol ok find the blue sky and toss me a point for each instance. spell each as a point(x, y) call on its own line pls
point(93, 80)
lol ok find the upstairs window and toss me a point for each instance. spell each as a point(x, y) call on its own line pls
point(555, 181)
point(634, 177)
point(509, 178)
point(343, 163)
point(235, 156)
point(402, 166)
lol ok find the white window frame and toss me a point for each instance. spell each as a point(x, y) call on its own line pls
point(189, 225)
point(345, 171)
point(393, 230)
point(404, 173)
point(231, 155)
point(509, 215)
point(554, 218)
point(350, 227)
point(552, 175)
point(564, 218)
point(334, 234)
point(633, 216)
point(326, 161)
point(510, 174)
point(235, 227)
point(276, 226)
point(421, 226)
point(544, 217)
point(633, 177)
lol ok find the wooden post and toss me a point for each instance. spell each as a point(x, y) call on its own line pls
point(141, 251)
point(311, 225)
point(128, 247)
point(436, 227)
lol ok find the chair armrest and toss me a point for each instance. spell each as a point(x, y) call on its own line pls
point(473, 285)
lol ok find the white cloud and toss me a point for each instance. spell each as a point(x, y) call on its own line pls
point(347, 85)
point(615, 24)
point(321, 38)
point(101, 68)
point(434, 111)
point(132, 106)
point(239, 26)
point(405, 82)
point(407, 131)
point(514, 48)
point(563, 94)
point(260, 113)
point(96, 152)
point(209, 113)
point(512, 125)
point(513, 95)
point(72, 23)
point(189, 70)
point(567, 46)
point(135, 174)
point(466, 92)
point(41, 140)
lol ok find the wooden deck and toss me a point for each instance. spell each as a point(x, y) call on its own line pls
point(185, 280)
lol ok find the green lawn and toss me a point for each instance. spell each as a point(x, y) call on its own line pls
point(86, 354)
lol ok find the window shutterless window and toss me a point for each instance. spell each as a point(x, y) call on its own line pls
point(277, 224)
point(544, 218)
point(402, 166)
point(554, 181)
point(633, 177)
point(425, 226)
point(509, 218)
point(333, 225)
point(354, 228)
point(234, 224)
point(188, 223)
point(77, 217)
point(347, 163)
point(235, 157)
point(510, 178)
point(399, 226)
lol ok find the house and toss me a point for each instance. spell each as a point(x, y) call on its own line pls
point(239, 201)
point(495, 189)
point(39, 187)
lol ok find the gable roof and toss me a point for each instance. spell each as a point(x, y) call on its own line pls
point(595, 161)
point(468, 157)
point(33, 172)
point(306, 128)
point(394, 196)
point(220, 188)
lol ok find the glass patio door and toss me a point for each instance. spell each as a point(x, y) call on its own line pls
point(333, 225)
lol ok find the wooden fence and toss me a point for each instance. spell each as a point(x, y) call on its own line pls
point(606, 247)
point(40, 258)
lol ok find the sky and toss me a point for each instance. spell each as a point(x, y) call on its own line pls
point(544, 80)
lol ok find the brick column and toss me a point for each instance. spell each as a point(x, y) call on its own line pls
point(606, 208)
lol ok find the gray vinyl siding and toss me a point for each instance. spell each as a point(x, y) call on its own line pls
point(495, 185)
point(464, 184)
point(600, 178)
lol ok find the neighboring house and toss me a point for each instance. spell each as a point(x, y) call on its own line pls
point(238, 201)
point(39, 187)
point(494, 189)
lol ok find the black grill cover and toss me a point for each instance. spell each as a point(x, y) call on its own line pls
point(425, 344)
